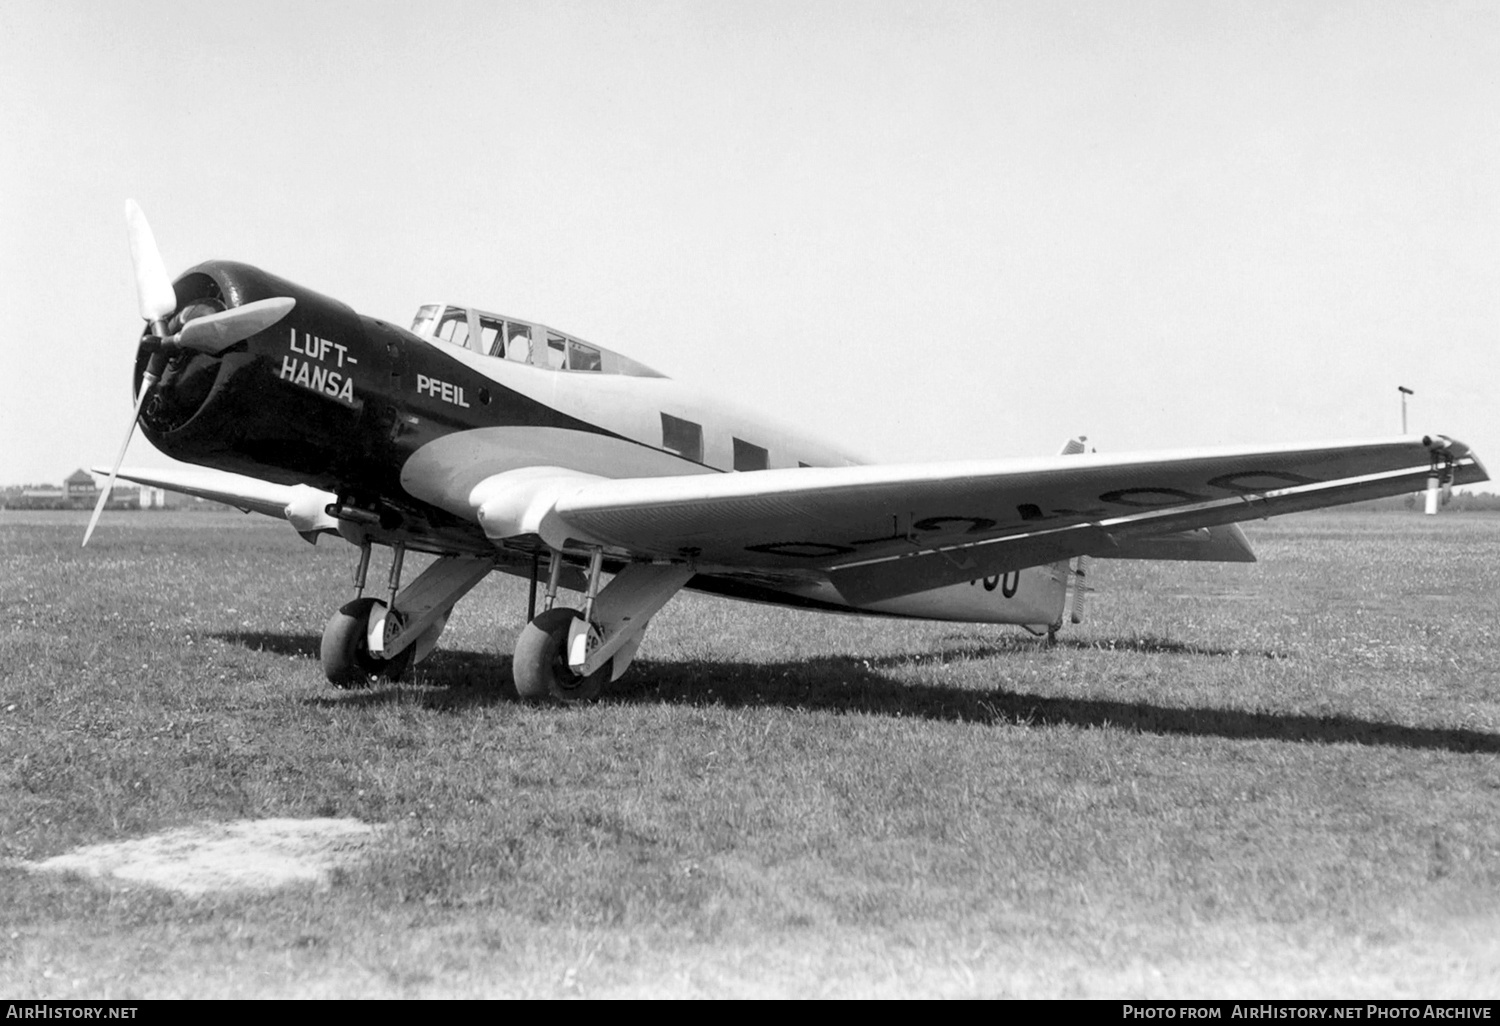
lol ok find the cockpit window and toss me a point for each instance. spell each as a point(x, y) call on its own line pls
point(583, 358)
point(535, 345)
point(518, 342)
point(491, 336)
point(426, 317)
point(454, 326)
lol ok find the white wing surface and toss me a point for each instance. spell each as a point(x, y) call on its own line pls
point(878, 532)
point(301, 505)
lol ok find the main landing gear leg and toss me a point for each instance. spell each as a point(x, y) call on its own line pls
point(365, 641)
point(568, 656)
point(536, 565)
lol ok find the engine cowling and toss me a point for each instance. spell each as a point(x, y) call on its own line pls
point(283, 405)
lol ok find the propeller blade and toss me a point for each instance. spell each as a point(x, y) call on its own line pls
point(109, 487)
point(153, 287)
point(216, 332)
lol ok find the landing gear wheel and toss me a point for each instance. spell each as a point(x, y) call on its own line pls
point(540, 663)
point(347, 661)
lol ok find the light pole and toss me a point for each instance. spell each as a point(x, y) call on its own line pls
point(1404, 393)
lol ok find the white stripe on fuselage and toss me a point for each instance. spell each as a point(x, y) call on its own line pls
point(632, 407)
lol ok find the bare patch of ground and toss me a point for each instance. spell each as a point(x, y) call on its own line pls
point(249, 854)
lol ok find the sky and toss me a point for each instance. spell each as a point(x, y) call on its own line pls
point(931, 230)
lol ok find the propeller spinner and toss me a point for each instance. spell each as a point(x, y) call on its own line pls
point(208, 333)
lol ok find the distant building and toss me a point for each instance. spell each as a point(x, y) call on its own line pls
point(38, 497)
point(80, 492)
point(81, 488)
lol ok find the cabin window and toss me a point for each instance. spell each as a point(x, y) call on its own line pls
point(425, 319)
point(682, 437)
point(518, 342)
point(454, 327)
point(491, 336)
point(749, 457)
point(583, 358)
point(557, 351)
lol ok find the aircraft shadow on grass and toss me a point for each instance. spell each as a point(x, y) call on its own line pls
point(304, 646)
point(455, 679)
point(1143, 645)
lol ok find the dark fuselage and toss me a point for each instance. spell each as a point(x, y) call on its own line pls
point(327, 397)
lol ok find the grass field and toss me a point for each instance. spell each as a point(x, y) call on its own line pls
point(1269, 780)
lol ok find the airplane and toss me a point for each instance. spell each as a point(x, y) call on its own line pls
point(495, 443)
